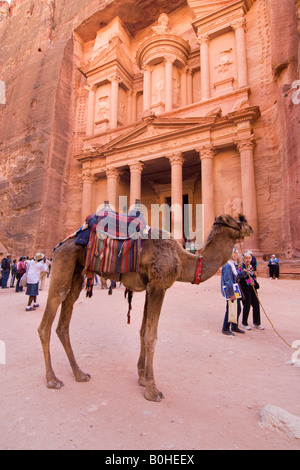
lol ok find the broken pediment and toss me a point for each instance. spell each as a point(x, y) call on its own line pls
point(109, 56)
point(204, 8)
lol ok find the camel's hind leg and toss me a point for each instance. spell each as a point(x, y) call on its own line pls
point(62, 329)
point(148, 335)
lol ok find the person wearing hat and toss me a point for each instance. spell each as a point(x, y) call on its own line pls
point(273, 264)
point(35, 267)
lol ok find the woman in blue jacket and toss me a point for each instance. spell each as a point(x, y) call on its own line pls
point(228, 278)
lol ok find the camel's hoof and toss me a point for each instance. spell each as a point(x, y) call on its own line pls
point(82, 377)
point(55, 384)
point(153, 394)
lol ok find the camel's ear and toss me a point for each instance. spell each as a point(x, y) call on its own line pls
point(242, 219)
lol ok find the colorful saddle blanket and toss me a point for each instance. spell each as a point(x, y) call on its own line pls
point(108, 255)
point(114, 244)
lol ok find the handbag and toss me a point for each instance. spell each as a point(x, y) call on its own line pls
point(23, 280)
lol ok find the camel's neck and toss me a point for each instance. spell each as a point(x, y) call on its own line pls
point(215, 254)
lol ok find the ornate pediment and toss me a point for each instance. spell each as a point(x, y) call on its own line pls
point(156, 130)
point(204, 8)
point(110, 56)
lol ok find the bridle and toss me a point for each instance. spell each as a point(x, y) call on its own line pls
point(224, 224)
point(199, 266)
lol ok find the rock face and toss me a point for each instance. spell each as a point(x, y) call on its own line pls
point(277, 419)
point(43, 113)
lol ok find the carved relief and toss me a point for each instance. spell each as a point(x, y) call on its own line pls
point(225, 62)
point(162, 25)
point(234, 207)
point(102, 108)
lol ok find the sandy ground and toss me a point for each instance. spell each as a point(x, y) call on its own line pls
point(214, 386)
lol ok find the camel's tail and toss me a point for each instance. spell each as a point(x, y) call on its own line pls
point(130, 295)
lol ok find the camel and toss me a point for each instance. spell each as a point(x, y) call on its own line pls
point(162, 262)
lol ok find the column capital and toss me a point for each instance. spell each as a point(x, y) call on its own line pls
point(239, 23)
point(91, 87)
point(147, 68)
point(112, 173)
point(176, 158)
point(247, 143)
point(114, 77)
point(87, 178)
point(136, 167)
point(206, 152)
point(203, 38)
point(170, 58)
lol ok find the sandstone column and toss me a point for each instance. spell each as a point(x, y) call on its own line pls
point(204, 63)
point(176, 161)
point(87, 190)
point(114, 101)
point(241, 55)
point(133, 106)
point(112, 176)
point(183, 87)
point(147, 88)
point(135, 181)
point(246, 149)
point(168, 83)
point(189, 86)
point(207, 182)
point(91, 110)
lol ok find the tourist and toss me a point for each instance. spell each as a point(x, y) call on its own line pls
point(228, 281)
point(249, 285)
point(253, 262)
point(35, 267)
point(273, 265)
point(5, 265)
point(13, 273)
point(21, 269)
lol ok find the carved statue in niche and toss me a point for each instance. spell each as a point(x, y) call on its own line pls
point(176, 90)
point(163, 24)
point(102, 111)
point(158, 92)
point(225, 62)
point(121, 110)
point(234, 207)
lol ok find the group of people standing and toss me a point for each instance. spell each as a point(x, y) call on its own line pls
point(239, 285)
point(31, 268)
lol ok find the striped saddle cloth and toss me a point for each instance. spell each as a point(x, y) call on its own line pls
point(114, 245)
point(109, 255)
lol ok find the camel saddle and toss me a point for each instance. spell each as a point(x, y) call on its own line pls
point(114, 243)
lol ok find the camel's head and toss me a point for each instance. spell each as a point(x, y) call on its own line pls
point(239, 227)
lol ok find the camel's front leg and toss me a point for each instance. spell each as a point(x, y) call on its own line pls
point(44, 331)
point(154, 299)
point(62, 329)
